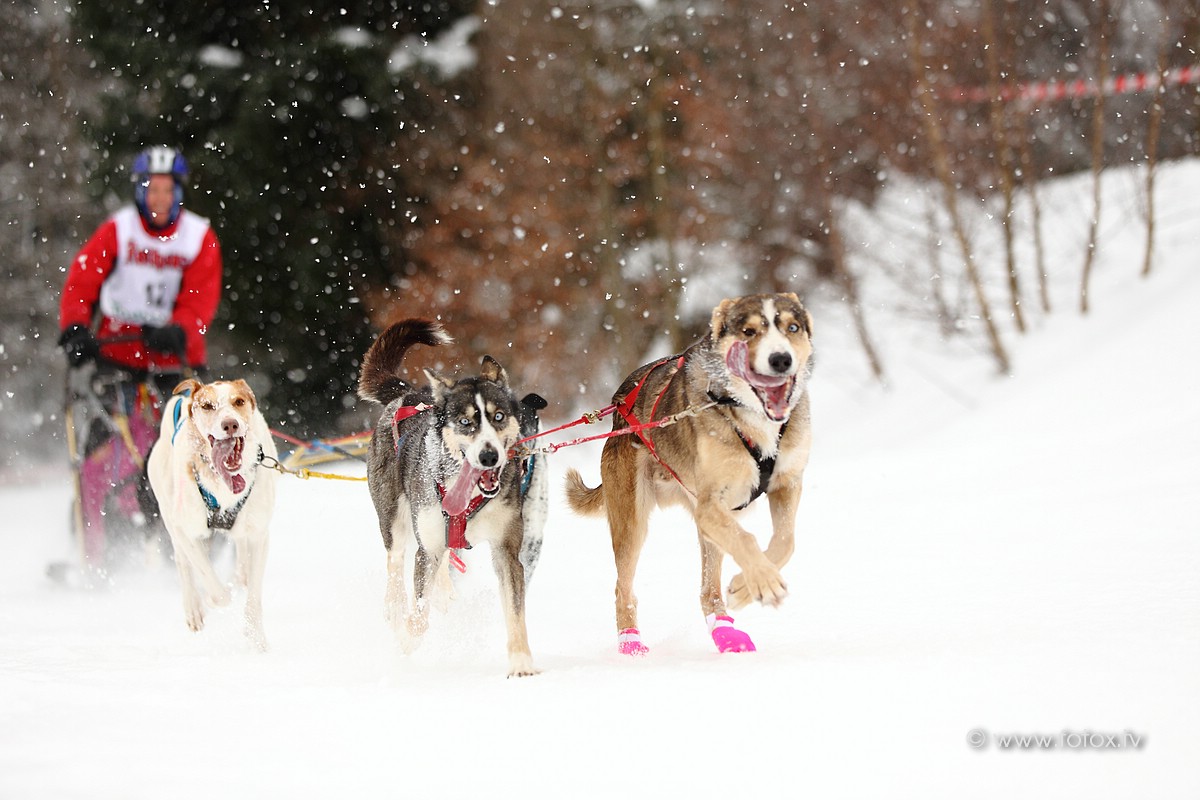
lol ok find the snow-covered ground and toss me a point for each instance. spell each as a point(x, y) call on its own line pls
point(978, 557)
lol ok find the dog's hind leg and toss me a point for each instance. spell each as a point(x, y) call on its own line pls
point(506, 558)
point(727, 638)
point(627, 504)
point(395, 600)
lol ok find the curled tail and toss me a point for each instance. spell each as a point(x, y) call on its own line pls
point(581, 499)
point(379, 379)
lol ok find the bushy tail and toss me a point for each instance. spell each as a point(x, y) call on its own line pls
point(581, 499)
point(379, 379)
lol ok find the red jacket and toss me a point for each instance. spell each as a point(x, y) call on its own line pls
point(181, 263)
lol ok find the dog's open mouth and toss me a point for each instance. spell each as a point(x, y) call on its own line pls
point(458, 497)
point(227, 460)
point(773, 391)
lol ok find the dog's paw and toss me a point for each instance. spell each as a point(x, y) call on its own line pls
point(769, 589)
point(726, 637)
point(520, 665)
point(193, 614)
point(257, 638)
point(219, 599)
point(417, 624)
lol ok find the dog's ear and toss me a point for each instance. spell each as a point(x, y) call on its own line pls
point(490, 370)
point(534, 401)
point(187, 387)
point(720, 313)
point(241, 386)
point(437, 383)
point(808, 328)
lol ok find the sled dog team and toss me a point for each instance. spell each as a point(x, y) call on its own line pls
point(445, 473)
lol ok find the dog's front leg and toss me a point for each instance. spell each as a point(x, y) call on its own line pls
point(197, 556)
point(193, 606)
point(424, 566)
point(506, 558)
point(784, 501)
point(760, 578)
point(252, 559)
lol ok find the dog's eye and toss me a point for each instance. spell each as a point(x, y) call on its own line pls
point(749, 332)
point(498, 417)
point(465, 421)
point(208, 405)
point(239, 402)
point(793, 328)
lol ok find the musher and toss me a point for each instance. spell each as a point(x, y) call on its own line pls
point(138, 300)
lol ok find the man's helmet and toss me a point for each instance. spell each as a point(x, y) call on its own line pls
point(159, 160)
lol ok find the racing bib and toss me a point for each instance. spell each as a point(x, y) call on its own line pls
point(145, 280)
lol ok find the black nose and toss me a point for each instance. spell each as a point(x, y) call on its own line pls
point(780, 362)
point(489, 457)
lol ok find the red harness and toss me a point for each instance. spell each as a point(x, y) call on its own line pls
point(456, 526)
point(625, 409)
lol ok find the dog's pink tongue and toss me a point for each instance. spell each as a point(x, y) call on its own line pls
point(738, 361)
point(227, 457)
point(458, 496)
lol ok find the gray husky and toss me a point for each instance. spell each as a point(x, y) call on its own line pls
point(441, 473)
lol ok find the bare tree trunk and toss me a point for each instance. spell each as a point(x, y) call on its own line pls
point(1089, 258)
point(1003, 155)
point(946, 318)
point(941, 161)
point(661, 208)
point(1153, 130)
point(1035, 207)
point(846, 279)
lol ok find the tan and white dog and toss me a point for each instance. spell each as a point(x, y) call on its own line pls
point(750, 373)
point(207, 475)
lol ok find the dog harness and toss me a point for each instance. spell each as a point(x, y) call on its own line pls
point(625, 409)
point(218, 518)
point(222, 519)
point(766, 466)
point(456, 526)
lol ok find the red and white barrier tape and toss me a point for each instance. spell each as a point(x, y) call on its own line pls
point(1062, 90)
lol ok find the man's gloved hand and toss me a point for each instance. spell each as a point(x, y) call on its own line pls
point(79, 344)
point(167, 339)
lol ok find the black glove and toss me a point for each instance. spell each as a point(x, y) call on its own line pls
point(167, 339)
point(79, 344)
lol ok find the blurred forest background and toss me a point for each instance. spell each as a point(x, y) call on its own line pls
point(557, 181)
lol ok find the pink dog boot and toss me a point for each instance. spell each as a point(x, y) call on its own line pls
point(629, 643)
point(728, 638)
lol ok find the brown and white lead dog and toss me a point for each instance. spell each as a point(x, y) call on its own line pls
point(207, 475)
point(752, 370)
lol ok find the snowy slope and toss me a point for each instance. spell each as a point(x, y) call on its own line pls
point(1015, 556)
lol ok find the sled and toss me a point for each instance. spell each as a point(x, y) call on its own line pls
point(112, 420)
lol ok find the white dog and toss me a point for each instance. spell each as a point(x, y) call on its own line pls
point(207, 474)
